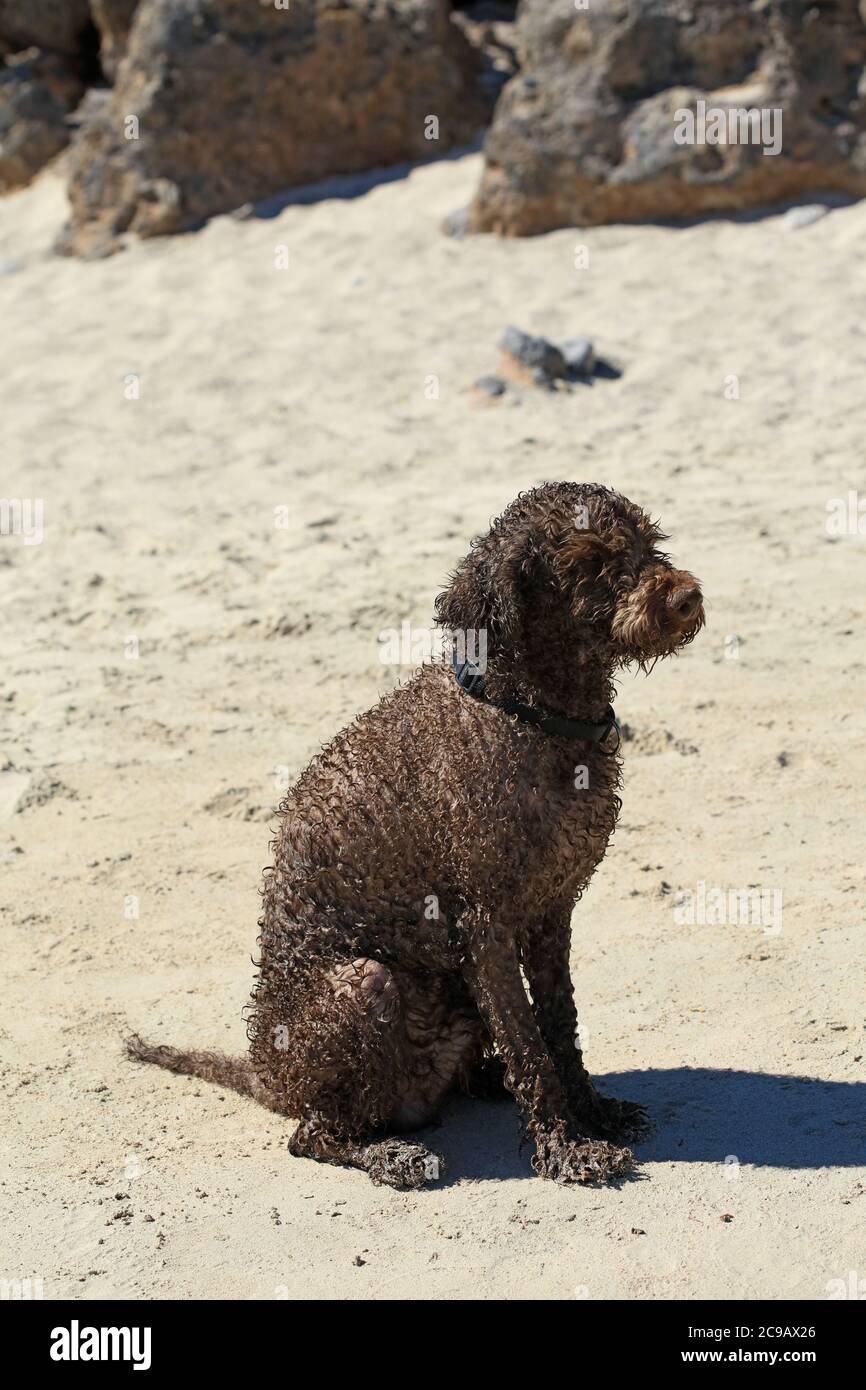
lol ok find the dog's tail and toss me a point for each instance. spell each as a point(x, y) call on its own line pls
point(236, 1073)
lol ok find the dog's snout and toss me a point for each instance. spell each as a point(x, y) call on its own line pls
point(685, 602)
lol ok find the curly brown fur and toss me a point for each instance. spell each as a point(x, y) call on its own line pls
point(235, 1073)
point(389, 1162)
point(416, 921)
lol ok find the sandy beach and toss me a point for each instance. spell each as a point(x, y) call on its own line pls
point(247, 474)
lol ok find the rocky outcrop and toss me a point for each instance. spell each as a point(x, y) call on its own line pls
point(224, 102)
point(633, 110)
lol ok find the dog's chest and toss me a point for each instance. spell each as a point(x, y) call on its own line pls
point(569, 816)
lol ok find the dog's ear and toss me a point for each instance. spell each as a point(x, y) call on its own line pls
point(580, 563)
point(579, 557)
point(490, 589)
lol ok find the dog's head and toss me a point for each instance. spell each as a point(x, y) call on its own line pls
point(571, 570)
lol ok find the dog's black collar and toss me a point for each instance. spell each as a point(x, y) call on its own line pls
point(606, 732)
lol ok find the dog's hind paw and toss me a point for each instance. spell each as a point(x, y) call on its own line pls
point(396, 1163)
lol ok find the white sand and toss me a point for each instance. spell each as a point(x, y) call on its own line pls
point(154, 776)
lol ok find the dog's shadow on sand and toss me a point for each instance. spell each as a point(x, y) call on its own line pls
point(699, 1115)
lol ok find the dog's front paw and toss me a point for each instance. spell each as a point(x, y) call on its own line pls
point(581, 1160)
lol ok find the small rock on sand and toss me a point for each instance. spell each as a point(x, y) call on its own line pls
point(490, 386)
point(533, 354)
point(579, 356)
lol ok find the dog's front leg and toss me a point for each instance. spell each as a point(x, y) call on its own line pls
point(562, 1151)
point(545, 955)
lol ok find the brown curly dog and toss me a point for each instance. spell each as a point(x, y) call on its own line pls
point(416, 922)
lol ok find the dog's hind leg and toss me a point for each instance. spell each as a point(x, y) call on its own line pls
point(393, 1162)
point(341, 1049)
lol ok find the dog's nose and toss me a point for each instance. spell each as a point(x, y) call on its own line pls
point(684, 603)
